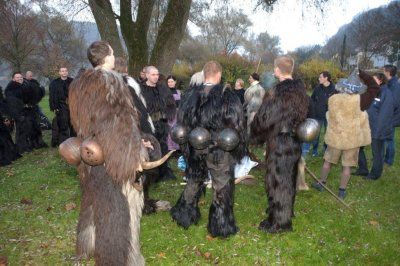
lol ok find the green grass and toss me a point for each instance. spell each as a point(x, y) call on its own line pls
point(43, 233)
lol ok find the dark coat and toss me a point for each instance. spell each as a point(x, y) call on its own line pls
point(59, 93)
point(394, 87)
point(320, 98)
point(380, 115)
point(240, 94)
point(160, 102)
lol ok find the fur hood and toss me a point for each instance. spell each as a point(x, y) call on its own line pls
point(348, 126)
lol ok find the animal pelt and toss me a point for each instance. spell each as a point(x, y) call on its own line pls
point(109, 222)
point(214, 109)
point(348, 126)
point(101, 108)
point(279, 115)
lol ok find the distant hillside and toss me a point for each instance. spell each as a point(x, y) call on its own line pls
point(89, 30)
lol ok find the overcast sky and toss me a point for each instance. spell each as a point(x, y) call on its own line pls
point(295, 24)
point(299, 25)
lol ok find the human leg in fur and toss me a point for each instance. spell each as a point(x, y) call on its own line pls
point(186, 211)
point(280, 184)
point(221, 221)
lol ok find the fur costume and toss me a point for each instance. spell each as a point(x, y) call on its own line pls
point(58, 101)
point(149, 177)
point(279, 115)
point(214, 109)
point(22, 100)
point(161, 107)
point(109, 221)
point(348, 126)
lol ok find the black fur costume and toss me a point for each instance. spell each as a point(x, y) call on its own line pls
point(22, 100)
point(8, 150)
point(214, 109)
point(58, 101)
point(280, 113)
point(161, 107)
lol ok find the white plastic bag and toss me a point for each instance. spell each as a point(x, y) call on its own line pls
point(244, 166)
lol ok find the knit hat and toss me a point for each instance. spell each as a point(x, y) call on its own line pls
point(351, 85)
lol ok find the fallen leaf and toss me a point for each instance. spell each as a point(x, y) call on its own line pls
point(70, 206)
point(207, 255)
point(49, 208)
point(210, 238)
point(373, 222)
point(44, 245)
point(161, 255)
point(26, 201)
point(198, 253)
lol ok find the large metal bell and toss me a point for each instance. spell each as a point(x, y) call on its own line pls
point(92, 153)
point(308, 130)
point(179, 134)
point(70, 150)
point(199, 138)
point(228, 139)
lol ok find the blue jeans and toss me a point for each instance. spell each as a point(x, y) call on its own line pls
point(315, 142)
point(305, 148)
point(390, 150)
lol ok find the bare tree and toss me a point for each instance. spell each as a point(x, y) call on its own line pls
point(18, 34)
point(226, 30)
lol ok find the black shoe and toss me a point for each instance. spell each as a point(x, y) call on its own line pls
point(360, 173)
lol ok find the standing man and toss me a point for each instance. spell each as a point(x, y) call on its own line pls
point(22, 99)
point(161, 107)
point(213, 108)
point(44, 121)
point(59, 105)
point(319, 98)
point(274, 124)
point(390, 73)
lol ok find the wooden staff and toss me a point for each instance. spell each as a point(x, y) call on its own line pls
point(258, 66)
point(330, 191)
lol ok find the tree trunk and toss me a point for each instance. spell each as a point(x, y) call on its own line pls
point(170, 35)
point(135, 33)
point(106, 24)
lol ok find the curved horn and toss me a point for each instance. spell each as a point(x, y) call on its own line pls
point(151, 165)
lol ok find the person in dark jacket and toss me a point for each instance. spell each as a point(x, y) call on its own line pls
point(319, 98)
point(8, 150)
point(44, 121)
point(394, 86)
point(22, 99)
point(59, 105)
point(161, 108)
point(380, 115)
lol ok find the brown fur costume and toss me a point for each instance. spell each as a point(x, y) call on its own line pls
point(279, 115)
point(109, 223)
point(348, 126)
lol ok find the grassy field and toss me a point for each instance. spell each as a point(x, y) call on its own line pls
point(40, 199)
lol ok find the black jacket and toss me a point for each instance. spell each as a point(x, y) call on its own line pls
point(59, 93)
point(320, 98)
